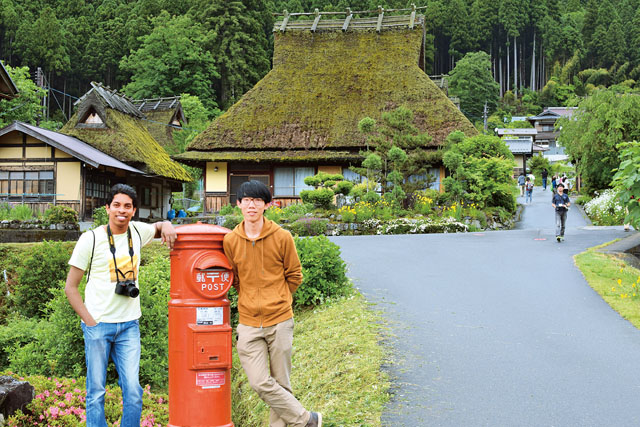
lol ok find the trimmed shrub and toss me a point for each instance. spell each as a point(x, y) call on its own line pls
point(324, 271)
point(60, 215)
point(308, 226)
point(100, 216)
point(230, 221)
point(44, 266)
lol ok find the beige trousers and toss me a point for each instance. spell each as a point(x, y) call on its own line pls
point(265, 355)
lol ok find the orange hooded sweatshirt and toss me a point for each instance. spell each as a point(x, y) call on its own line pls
point(267, 272)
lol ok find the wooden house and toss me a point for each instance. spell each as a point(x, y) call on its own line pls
point(545, 123)
point(111, 123)
point(40, 167)
point(8, 89)
point(302, 117)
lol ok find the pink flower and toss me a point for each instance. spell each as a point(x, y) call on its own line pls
point(41, 417)
point(54, 412)
point(62, 404)
point(160, 400)
point(68, 396)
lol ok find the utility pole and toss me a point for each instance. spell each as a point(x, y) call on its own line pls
point(485, 116)
point(40, 84)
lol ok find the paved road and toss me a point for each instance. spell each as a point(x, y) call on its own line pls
point(499, 328)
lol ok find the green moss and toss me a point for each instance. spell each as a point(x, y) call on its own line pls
point(267, 156)
point(156, 125)
point(127, 139)
point(322, 84)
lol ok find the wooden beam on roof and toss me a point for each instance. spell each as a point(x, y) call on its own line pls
point(285, 21)
point(347, 20)
point(412, 18)
point(315, 22)
point(380, 16)
point(158, 104)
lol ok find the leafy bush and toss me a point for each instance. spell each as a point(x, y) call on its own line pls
point(230, 210)
point(322, 197)
point(324, 271)
point(605, 209)
point(44, 266)
point(231, 221)
point(583, 199)
point(100, 216)
point(273, 213)
point(5, 211)
point(293, 212)
point(21, 213)
point(415, 226)
point(60, 215)
point(308, 226)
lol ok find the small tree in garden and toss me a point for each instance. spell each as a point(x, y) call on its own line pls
point(326, 186)
point(481, 169)
point(397, 158)
point(396, 129)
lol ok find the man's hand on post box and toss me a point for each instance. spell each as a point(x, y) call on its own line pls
point(166, 231)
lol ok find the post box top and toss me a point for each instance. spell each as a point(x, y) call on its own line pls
point(200, 228)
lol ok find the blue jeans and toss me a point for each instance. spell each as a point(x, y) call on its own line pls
point(528, 198)
point(544, 183)
point(121, 341)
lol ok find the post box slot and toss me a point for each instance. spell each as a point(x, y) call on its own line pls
point(211, 349)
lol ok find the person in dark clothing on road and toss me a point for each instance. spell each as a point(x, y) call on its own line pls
point(561, 203)
point(545, 174)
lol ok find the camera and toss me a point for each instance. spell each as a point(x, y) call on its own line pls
point(127, 288)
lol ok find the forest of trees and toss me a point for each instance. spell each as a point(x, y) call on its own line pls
point(218, 49)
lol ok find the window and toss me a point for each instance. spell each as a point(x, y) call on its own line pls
point(350, 175)
point(27, 186)
point(290, 181)
point(547, 128)
point(149, 197)
point(432, 177)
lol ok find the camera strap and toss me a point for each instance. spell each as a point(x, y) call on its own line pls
point(112, 248)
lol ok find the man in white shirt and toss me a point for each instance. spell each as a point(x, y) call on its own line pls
point(111, 257)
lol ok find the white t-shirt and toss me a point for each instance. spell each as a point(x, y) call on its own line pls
point(100, 297)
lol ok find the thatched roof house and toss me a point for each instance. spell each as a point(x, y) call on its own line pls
point(163, 117)
point(111, 123)
point(8, 89)
point(302, 117)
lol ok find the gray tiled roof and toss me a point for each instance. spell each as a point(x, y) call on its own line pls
point(70, 145)
point(519, 146)
point(7, 86)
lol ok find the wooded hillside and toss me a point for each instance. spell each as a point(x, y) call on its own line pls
point(218, 49)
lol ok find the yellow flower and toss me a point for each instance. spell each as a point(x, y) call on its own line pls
point(619, 281)
point(613, 289)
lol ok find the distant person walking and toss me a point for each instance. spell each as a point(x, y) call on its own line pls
point(521, 183)
point(561, 203)
point(554, 182)
point(528, 188)
point(545, 174)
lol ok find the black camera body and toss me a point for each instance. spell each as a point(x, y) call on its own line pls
point(127, 288)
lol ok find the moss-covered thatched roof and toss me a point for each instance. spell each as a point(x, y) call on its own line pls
point(196, 157)
point(322, 84)
point(126, 138)
point(160, 113)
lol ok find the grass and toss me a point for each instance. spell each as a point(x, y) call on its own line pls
point(615, 281)
point(337, 361)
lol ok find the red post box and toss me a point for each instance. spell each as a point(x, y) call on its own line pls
point(199, 329)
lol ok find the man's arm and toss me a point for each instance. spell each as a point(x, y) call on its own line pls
point(165, 230)
point(292, 266)
point(72, 291)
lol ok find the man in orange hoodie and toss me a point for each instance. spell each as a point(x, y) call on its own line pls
point(267, 272)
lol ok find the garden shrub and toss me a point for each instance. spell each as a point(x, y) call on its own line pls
point(605, 209)
point(230, 210)
point(322, 197)
point(273, 213)
point(231, 221)
point(100, 216)
point(5, 211)
point(61, 402)
point(415, 226)
point(583, 199)
point(295, 211)
point(21, 213)
point(324, 271)
point(60, 215)
point(45, 264)
point(308, 226)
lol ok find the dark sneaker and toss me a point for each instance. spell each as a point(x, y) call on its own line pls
point(315, 420)
point(558, 238)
